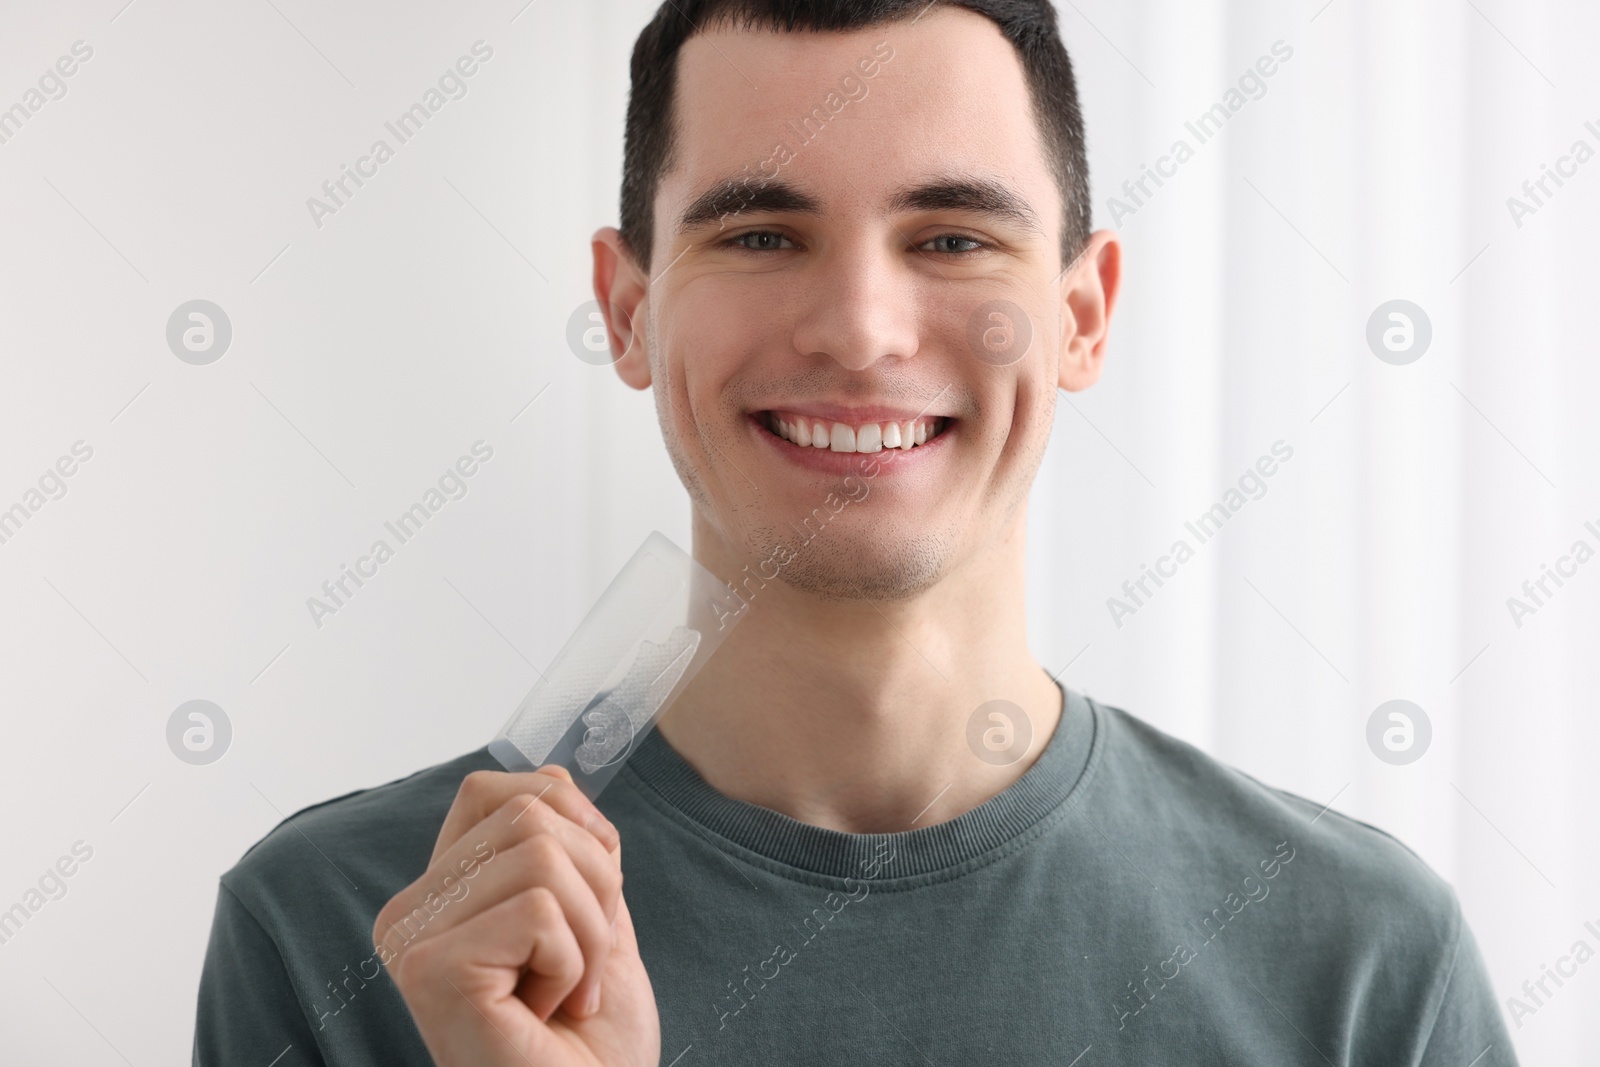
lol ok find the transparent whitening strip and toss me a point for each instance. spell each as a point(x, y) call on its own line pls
point(650, 632)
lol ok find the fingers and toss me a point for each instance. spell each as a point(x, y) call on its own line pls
point(627, 941)
point(544, 850)
point(524, 844)
point(448, 981)
point(523, 818)
point(482, 792)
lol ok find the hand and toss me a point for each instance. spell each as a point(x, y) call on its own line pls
point(518, 921)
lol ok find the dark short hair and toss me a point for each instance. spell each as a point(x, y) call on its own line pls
point(1030, 26)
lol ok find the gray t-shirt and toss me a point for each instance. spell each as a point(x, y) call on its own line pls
point(1128, 900)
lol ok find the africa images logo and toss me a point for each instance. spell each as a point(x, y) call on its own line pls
point(1141, 992)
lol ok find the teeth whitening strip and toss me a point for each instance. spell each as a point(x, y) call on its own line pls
point(650, 632)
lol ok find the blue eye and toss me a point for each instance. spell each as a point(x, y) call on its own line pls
point(740, 241)
point(955, 237)
point(773, 241)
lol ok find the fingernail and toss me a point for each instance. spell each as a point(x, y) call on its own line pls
point(593, 1004)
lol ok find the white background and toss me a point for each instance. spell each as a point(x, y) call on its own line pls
point(369, 353)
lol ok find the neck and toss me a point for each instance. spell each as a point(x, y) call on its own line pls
point(854, 715)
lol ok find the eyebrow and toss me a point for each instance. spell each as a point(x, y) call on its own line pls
point(733, 197)
point(981, 196)
point(741, 196)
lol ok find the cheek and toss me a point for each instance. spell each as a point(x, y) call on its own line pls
point(1035, 387)
point(690, 367)
point(710, 334)
point(1016, 408)
point(1036, 413)
point(716, 348)
point(1016, 431)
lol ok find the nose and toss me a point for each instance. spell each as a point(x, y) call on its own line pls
point(861, 305)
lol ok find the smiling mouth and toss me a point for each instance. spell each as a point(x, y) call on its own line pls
point(804, 431)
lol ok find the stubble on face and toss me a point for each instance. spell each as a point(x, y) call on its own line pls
point(858, 550)
point(833, 551)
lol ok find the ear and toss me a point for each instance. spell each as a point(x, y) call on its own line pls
point(621, 288)
point(1088, 293)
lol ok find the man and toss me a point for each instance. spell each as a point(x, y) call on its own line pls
point(854, 266)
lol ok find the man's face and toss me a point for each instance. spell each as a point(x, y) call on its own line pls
point(871, 306)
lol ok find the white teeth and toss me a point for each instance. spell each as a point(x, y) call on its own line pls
point(840, 437)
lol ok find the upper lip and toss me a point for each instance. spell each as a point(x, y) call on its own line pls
point(854, 416)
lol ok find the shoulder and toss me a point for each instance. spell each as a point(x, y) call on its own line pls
point(1218, 822)
point(358, 849)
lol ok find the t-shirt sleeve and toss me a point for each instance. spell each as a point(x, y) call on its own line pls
point(1469, 1028)
point(247, 1011)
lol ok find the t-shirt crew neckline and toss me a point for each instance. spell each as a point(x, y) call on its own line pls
point(1062, 768)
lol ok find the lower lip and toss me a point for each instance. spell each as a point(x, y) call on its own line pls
point(827, 461)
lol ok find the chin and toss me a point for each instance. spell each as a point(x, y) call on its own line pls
point(836, 565)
